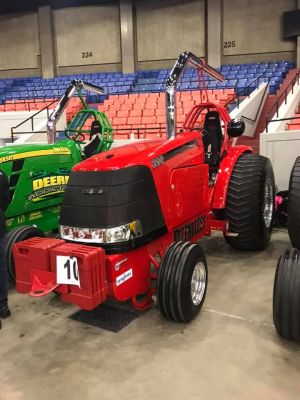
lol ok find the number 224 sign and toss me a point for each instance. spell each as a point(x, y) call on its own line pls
point(67, 272)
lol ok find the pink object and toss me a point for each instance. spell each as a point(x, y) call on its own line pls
point(278, 201)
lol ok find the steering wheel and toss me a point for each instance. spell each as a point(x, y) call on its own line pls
point(78, 138)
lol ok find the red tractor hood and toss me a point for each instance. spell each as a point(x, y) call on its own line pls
point(137, 153)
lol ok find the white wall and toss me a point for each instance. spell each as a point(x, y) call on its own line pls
point(256, 27)
point(167, 28)
point(19, 41)
point(93, 29)
point(9, 119)
point(282, 148)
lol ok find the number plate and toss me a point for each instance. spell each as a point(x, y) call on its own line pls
point(67, 272)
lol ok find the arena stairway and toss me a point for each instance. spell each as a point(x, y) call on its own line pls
point(269, 103)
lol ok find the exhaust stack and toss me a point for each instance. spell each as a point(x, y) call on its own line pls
point(182, 62)
point(78, 85)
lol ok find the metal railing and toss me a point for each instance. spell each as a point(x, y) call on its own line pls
point(282, 98)
point(31, 118)
point(282, 119)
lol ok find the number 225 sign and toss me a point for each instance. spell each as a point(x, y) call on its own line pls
point(67, 272)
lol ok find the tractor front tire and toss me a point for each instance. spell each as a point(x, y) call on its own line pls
point(294, 205)
point(182, 282)
point(14, 236)
point(250, 203)
point(286, 296)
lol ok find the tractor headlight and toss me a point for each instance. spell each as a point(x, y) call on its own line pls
point(122, 233)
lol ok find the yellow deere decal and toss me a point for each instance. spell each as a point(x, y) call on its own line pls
point(50, 181)
point(48, 187)
point(37, 153)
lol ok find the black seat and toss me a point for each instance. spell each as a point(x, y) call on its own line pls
point(212, 138)
point(92, 147)
point(95, 129)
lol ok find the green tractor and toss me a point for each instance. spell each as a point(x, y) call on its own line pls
point(38, 173)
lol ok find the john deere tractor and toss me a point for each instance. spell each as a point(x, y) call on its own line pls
point(38, 173)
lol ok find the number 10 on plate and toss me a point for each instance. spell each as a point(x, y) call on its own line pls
point(67, 272)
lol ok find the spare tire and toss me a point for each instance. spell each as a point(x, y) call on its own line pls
point(294, 205)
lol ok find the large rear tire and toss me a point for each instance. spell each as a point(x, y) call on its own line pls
point(14, 236)
point(250, 203)
point(294, 205)
point(182, 282)
point(286, 296)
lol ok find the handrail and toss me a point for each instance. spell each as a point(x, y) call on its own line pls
point(283, 119)
point(239, 94)
point(285, 93)
point(31, 118)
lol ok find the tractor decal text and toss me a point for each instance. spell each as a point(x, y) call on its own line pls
point(50, 181)
point(188, 231)
point(157, 161)
point(37, 153)
point(48, 187)
point(124, 277)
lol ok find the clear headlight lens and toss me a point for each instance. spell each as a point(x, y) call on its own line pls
point(121, 233)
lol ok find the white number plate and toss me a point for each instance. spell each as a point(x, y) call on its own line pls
point(67, 272)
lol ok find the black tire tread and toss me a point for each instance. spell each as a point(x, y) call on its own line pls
point(286, 295)
point(170, 276)
point(244, 202)
point(294, 205)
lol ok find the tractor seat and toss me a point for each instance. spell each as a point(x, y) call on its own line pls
point(95, 129)
point(91, 148)
point(212, 138)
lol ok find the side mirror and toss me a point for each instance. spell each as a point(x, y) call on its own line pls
point(235, 128)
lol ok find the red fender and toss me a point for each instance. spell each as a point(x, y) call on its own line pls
point(224, 174)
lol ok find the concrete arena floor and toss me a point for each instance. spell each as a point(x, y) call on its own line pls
point(230, 351)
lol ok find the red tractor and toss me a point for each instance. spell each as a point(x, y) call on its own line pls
point(131, 217)
point(286, 294)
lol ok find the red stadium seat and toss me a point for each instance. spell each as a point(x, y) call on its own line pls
point(135, 113)
point(119, 121)
point(122, 113)
point(160, 111)
point(149, 113)
point(149, 120)
point(136, 121)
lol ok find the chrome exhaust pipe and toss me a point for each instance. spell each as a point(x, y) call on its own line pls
point(182, 62)
point(76, 84)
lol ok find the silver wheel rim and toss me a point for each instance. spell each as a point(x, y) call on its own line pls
point(198, 283)
point(268, 203)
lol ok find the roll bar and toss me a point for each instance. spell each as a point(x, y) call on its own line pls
point(78, 85)
point(182, 62)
